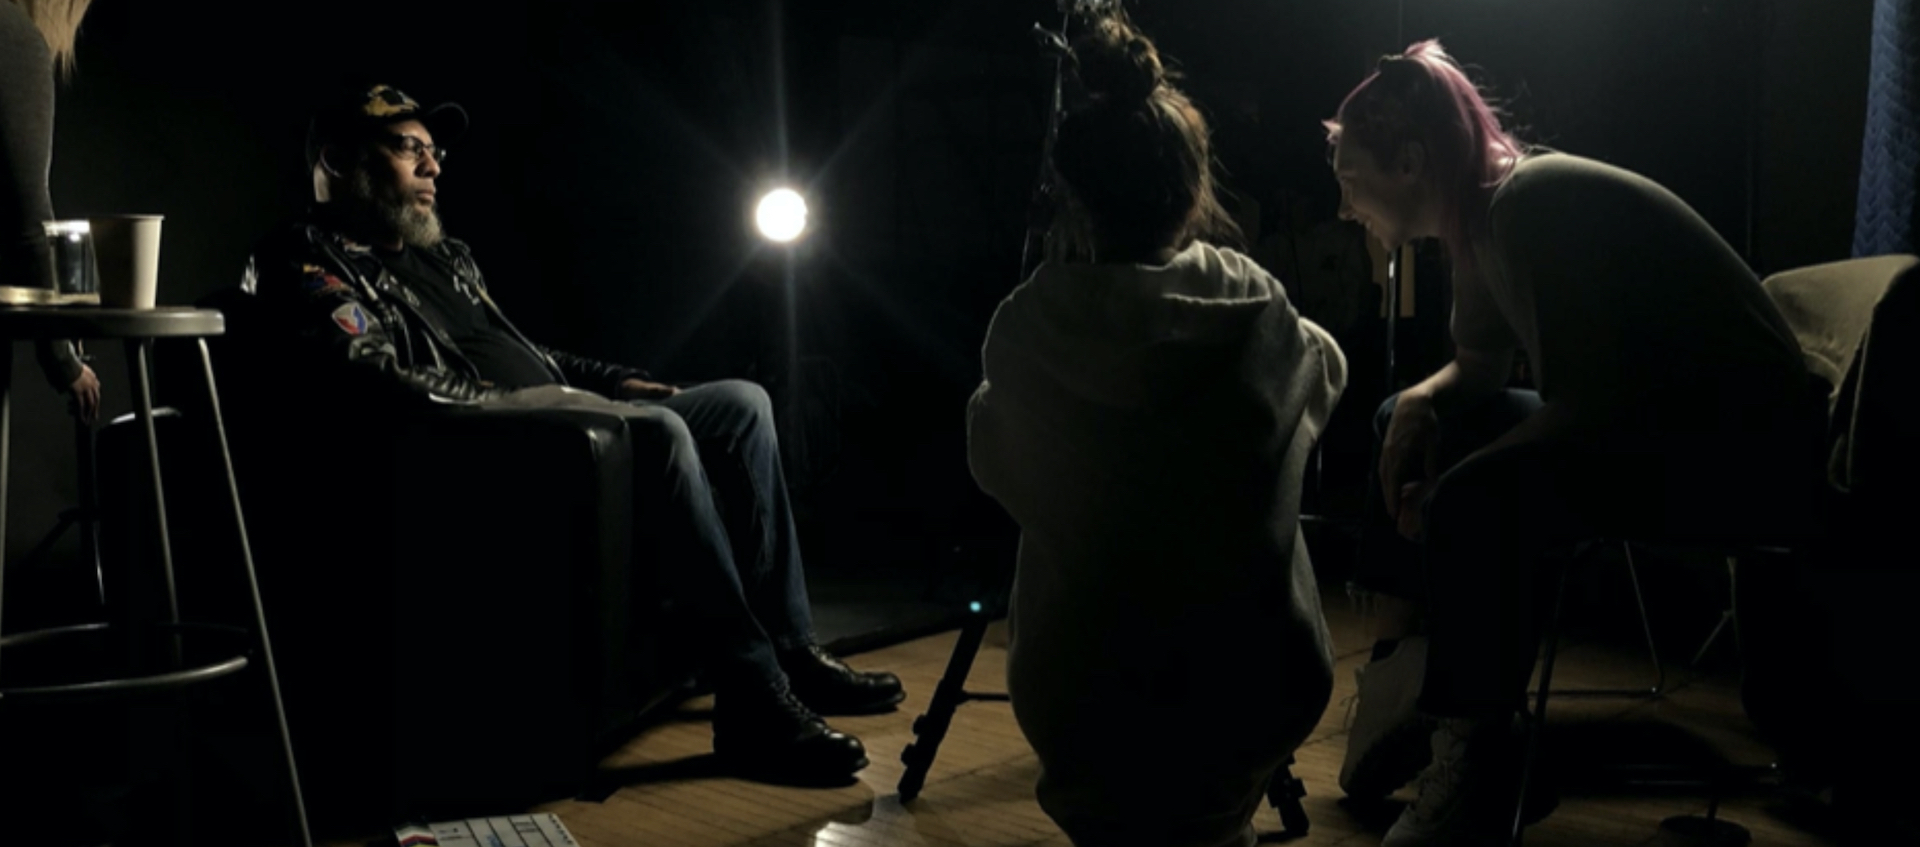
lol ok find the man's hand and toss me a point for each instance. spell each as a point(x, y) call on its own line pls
point(86, 395)
point(640, 389)
point(1409, 459)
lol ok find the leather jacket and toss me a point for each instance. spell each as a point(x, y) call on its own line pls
point(333, 301)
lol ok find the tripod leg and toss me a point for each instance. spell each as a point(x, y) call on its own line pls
point(931, 728)
point(1285, 792)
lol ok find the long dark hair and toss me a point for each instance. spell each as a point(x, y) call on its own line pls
point(1133, 152)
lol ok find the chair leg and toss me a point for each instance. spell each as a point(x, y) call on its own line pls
point(253, 587)
point(85, 447)
point(1549, 651)
point(1653, 650)
point(6, 420)
point(1284, 793)
point(1646, 626)
point(1727, 618)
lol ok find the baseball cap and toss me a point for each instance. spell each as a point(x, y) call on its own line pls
point(357, 113)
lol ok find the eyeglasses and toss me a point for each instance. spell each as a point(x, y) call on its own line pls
point(411, 149)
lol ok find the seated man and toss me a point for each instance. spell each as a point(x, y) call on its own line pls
point(370, 293)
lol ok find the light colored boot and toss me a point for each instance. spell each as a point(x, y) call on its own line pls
point(1388, 741)
point(1467, 792)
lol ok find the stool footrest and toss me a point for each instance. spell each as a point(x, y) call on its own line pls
point(1645, 693)
point(120, 685)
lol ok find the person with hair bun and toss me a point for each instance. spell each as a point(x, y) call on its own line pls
point(1672, 405)
point(1146, 417)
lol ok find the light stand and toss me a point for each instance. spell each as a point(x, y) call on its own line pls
point(1040, 208)
point(782, 220)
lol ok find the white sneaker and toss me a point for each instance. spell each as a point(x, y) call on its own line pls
point(1466, 793)
point(1388, 740)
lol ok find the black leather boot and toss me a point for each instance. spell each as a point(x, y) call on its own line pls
point(829, 687)
point(768, 734)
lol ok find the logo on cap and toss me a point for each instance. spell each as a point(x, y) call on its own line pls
point(385, 101)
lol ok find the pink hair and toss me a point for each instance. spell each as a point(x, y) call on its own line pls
point(1422, 96)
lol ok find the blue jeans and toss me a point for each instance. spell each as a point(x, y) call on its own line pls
point(711, 495)
point(1389, 563)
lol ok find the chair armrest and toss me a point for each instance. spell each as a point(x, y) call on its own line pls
point(524, 518)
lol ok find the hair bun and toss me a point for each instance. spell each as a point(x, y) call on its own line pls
point(1402, 68)
point(1116, 64)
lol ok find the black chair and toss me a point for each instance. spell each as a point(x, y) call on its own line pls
point(1838, 621)
point(1659, 686)
point(1834, 311)
point(1715, 781)
point(1787, 534)
point(468, 618)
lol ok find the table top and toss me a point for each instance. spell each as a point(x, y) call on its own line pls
point(33, 323)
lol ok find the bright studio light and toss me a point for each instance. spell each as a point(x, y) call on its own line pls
point(782, 215)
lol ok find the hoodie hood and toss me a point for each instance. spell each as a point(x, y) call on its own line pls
point(1133, 336)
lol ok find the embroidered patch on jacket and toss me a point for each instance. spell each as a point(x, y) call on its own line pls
point(320, 282)
point(352, 319)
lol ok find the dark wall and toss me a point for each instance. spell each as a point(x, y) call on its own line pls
point(616, 149)
point(1815, 116)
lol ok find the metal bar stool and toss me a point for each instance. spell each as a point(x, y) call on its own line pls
point(138, 330)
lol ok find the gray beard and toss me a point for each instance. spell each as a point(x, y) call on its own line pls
point(416, 227)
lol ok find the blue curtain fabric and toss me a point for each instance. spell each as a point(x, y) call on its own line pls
point(1885, 221)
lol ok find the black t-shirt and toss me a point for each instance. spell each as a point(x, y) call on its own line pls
point(501, 358)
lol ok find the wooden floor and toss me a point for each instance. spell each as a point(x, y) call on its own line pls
point(979, 793)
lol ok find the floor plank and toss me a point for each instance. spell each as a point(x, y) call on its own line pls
point(980, 791)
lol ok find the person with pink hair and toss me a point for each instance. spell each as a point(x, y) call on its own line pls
point(1672, 404)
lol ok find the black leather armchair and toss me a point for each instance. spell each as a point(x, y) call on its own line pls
point(1824, 640)
point(458, 611)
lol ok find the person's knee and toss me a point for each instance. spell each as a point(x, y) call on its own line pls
point(1383, 416)
point(747, 395)
point(658, 428)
